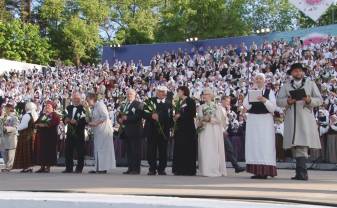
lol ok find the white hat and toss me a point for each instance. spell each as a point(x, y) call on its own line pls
point(162, 88)
point(263, 76)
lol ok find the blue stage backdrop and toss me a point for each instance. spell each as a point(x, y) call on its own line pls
point(145, 52)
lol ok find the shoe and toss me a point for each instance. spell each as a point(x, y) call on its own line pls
point(47, 170)
point(162, 173)
point(67, 171)
point(239, 169)
point(102, 172)
point(134, 173)
point(78, 171)
point(295, 177)
point(5, 170)
point(301, 169)
point(126, 172)
point(26, 170)
point(151, 173)
point(259, 177)
point(41, 170)
point(92, 172)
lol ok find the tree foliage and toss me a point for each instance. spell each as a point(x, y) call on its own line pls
point(22, 42)
point(181, 19)
point(75, 30)
point(278, 15)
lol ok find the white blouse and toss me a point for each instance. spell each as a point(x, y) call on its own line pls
point(25, 120)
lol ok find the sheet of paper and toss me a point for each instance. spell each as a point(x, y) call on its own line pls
point(253, 95)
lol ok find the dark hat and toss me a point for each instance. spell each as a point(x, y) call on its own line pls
point(296, 66)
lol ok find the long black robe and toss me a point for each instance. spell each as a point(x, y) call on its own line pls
point(185, 141)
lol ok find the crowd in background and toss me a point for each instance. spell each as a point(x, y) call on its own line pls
point(226, 70)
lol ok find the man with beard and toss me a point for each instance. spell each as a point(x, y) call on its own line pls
point(300, 127)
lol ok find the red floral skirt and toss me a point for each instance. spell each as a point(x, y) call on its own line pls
point(262, 170)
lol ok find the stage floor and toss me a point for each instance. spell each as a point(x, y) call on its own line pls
point(320, 189)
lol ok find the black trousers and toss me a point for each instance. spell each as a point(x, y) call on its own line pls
point(77, 145)
point(154, 145)
point(133, 151)
point(230, 153)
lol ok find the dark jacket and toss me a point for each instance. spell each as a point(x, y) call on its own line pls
point(79, 128)
point(134, 123)
point(165, 113)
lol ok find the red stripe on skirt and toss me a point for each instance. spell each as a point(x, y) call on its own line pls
point(262, 170)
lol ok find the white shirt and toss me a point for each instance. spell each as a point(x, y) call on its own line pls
point(25, 120)
point(74, 112)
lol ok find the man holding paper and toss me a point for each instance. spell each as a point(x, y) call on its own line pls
point(299, 97)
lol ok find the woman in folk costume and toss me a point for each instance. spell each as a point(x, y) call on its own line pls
point(211, 149)
point(300, 126)
point(46, 137)
point(24, 155)
point(260, 132)
point(103, 135)
point(9, 136)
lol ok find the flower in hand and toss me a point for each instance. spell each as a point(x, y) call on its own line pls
point(124, 117)
point(155, 116)
point(176, 116)
point(66, 121)
point(120, 120)
point(73, 122)
point(206, 118)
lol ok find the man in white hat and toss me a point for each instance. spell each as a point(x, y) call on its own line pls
point(158, 138)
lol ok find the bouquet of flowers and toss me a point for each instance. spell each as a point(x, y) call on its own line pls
point(207, 112)
point(71, 128)
point(123, 112)
point(151, 108)
point(88, 114)
point(2, 124)
point(177, 105)
point(45, 120)
point(18, 113)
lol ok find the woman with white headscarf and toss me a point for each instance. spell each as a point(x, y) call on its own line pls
point(260, 133)
point(24, 151)
point(211, 149)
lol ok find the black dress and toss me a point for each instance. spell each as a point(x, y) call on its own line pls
point(185, 141)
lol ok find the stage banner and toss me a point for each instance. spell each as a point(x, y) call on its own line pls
point(312, 8)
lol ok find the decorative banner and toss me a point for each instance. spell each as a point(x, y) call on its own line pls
point(312, 8)
point(314, 38)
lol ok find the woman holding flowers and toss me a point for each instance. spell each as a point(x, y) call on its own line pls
point(46, 137)
point(185, 141)
point(211, 150)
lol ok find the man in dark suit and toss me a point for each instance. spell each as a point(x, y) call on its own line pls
point(75, 121)
point(131, 119)
point(157, 140)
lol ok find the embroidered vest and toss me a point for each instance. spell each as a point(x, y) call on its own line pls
point(259, 107)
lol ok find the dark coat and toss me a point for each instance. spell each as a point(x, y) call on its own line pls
point(165, 113)
point(134, 122)
point(79, 128)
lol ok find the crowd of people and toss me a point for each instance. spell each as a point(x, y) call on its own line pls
point(198, 97)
